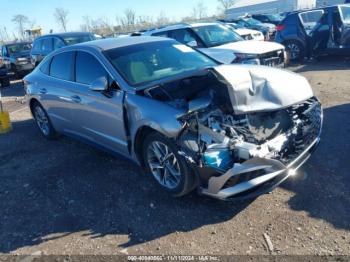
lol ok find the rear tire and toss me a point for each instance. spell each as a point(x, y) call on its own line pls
point(43, 122)
point(169, 169)
point(295, 50)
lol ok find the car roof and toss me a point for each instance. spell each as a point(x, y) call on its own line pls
point(179, 26)
point(111, 43)
point(66, 34)
point(16, 43)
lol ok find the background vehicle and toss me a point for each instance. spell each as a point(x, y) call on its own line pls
point(246, 34)
point(16, 58)
point(316, 32)
point(275, 19)
point(223, 44)
point(268, 30)
point(207, 131)
point(44, 45)
point(4, 77)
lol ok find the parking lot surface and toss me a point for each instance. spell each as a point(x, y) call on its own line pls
point(64, 197)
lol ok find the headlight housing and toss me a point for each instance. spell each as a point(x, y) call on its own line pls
point(246, 58)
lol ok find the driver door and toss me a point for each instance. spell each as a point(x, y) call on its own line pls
point(98, 114)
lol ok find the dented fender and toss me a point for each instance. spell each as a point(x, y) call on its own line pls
point(145, 112)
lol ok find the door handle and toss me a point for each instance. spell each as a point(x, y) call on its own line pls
point(42, 91)
point(76, 99)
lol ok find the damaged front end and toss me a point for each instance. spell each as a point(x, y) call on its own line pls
point(243, 137)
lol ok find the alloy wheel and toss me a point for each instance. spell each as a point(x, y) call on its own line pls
point(294, 50)
point(42, 120)
point(163, 164)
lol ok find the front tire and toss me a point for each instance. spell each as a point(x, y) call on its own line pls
point(43, 122)
point(169, 169)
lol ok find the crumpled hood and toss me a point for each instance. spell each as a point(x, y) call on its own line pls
point(259, 88)
point(251, 47)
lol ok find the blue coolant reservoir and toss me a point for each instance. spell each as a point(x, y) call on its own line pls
point(219, 158)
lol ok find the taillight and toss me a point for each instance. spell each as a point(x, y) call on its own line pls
point(280, 27)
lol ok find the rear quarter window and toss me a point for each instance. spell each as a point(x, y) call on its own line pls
point(45, 67)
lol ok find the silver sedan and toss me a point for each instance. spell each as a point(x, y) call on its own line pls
point(228, 130)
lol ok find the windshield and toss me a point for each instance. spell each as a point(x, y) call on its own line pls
point(345, 13)
point(215, 35)
point(252, 21)
point(235, 26)
point(19, 48)
point(72, 40)
point(143, 63)
point(275, 18)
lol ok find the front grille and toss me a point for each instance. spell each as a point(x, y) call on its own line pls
point(274, 58)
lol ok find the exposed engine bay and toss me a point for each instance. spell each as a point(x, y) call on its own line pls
point(216, 138)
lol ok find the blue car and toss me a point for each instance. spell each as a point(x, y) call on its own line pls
point(316, 32)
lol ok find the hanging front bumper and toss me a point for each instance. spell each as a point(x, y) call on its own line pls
point(255, 177)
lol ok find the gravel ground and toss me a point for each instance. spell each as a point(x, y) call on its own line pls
point(64, 197)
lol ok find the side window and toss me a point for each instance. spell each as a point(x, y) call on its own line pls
point(47, 45)
point(61, 66)
point(45, 67)
point(37, 45)
point(88, 68)
point(161, 34)
point(183, 36)
point(57, 43)
point(310, 19)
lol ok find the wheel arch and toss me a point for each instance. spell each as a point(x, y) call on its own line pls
point(302, 44)
point(141, 133)
point(32, 102)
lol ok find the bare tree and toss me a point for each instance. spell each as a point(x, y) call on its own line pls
point(162, 19)
point(86, 26)
point(61, 16)
point(20, 21)
point(226, 4)
point(129, 19)
point(199, 11)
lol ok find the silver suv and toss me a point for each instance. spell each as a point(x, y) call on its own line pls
point(228, 130)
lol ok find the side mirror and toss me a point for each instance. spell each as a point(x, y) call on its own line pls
point(192, 43)
point(100, 84)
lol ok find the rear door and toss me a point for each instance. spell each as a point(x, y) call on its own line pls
point(55, 91)
point(99, 115)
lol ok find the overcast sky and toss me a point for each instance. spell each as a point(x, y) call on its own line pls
point(41, 11)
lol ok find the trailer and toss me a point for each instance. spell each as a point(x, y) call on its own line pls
point(244, 7)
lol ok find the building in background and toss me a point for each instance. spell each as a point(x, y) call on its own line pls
point(321, 3)
point(33, 33)
point(243, 7)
